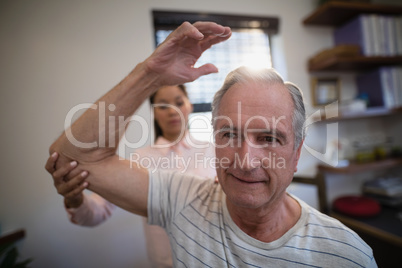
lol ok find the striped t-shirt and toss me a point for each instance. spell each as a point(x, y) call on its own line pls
point(202, 234)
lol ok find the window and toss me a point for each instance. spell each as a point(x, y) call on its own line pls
point(249, 45)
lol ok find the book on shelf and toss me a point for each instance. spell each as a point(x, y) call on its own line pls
point(382, 87)
point(355, 32)
point(398, 35)
point(385, 187)
point(392, 201)
point(390, 36)
point(396, 76)
point(377, 35)
point(376, 31)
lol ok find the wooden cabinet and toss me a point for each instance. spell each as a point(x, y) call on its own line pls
point(383, 229)
point(382, 232)
point(335, 14)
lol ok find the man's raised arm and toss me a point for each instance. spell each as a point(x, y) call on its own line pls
point(92, 143)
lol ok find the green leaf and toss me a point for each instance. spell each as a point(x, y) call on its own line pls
point(10, 258)
point(23, 264)
point(4, 248)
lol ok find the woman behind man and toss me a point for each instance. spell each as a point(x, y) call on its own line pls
point(174, 149)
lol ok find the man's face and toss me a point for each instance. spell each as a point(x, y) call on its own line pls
point(255, 144)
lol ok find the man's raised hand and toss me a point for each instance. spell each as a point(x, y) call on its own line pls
point(173, 61)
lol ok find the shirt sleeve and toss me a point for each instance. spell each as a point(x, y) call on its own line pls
point(93, 211)
point(169, 193)
point(373, 263)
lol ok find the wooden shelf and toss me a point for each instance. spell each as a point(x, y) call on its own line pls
point(356, 63)
point(385, 230)
point(369, 113)
point(385, 226)
point(363, 167)
point(336, 13)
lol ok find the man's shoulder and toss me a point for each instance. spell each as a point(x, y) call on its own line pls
point(327, 228)
point(185, 190)
point(323, 222)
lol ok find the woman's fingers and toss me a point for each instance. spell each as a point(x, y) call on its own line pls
point(59, 174)
point(74, 186)
point(51, 163)
point(71, 190)
point(78, 186)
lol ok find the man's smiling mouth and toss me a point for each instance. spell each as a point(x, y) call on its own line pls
point(246, 180)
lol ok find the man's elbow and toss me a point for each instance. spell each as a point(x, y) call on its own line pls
point(71, 150)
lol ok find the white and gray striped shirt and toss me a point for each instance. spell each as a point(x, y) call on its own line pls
point(202, 234)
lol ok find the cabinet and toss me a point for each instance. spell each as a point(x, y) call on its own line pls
point(382, 232)
point(335, 14)
point(386, 229)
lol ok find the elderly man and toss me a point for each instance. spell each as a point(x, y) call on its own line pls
point(247, 219)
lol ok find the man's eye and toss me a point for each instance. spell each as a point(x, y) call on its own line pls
point(269, 139)
point(229, 135)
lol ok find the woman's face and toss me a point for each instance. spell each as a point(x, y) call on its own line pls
point(171, 110)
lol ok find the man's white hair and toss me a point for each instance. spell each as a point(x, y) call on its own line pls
point(269, 76)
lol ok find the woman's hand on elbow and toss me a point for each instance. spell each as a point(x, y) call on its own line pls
point(71, 189)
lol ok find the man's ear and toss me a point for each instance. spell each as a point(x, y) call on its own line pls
point(298, 153)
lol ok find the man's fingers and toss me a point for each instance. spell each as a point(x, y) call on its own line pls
point(203, 29)
point(186, 29)
point(211, 28)
point(205, 69)
point(51, 162)
point(213, 40)
point(181, 50)
point(191, 31)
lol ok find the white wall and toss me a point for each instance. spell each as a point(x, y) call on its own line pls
point(57, 54)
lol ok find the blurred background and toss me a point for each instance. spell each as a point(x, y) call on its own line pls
point(55, 55)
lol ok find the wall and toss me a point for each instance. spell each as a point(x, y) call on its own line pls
point(58, 54)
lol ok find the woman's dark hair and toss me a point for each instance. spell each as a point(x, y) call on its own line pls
point(158, 130)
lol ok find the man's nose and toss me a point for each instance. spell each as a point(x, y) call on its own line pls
point(248, 155)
